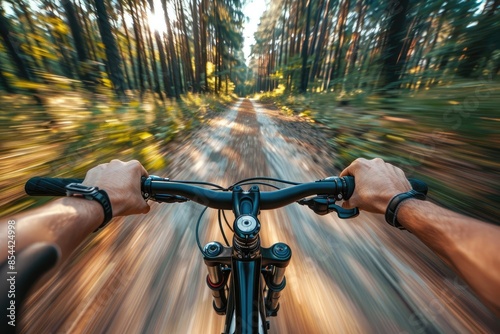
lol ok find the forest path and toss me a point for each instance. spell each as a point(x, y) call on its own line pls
point(144, 274)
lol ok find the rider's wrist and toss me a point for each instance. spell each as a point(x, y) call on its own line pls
point(93, 194)
point(88, 212)
point(395, 204)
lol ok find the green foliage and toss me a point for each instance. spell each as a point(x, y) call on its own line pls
point(447, 136)
point(433, 42)
point(71, 134)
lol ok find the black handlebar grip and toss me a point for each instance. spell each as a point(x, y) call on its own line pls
point(349, 181)
point(416, 185)
point(48, 186)
point(419, 186)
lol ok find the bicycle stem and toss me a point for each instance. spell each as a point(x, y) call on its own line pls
point(246, 247)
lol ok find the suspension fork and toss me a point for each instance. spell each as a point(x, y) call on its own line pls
point(246, 246)
point(217, 257)
point(277, 257)
point(219, 260)
point(246, 259)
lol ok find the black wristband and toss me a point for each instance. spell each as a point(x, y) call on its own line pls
point(92, 194)
point(393, 207)
point(102, 197)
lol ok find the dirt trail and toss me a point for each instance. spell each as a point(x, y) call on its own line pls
point(144, 274)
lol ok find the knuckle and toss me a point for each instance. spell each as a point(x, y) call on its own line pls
point(134, 163)
point(361, 162)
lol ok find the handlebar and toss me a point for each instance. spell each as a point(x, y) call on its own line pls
point(155, 187)
point(164, 190)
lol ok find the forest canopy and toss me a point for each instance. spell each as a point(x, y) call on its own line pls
point(178, 46)
point(117, 44)
point(349, 45)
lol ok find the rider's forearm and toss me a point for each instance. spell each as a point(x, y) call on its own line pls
point(468, 245)
point(65, 222)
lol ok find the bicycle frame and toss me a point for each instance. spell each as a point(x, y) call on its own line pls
point(252, 268)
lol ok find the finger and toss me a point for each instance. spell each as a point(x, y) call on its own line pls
point(146, 207)
point(140, 167)
point(144, 172)
point(351, 169)
point(345, 172)
point(346, 205)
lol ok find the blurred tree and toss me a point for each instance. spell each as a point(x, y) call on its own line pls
point(184, 46)
point(133, 84)
point(113, 60)
point(480, 40)
point(197, 52)
point(174, 64)
point(83, 70)
point(89, 33)
point(30, 31)
point(341, 32)
point(76, 30)
point(320, 45)
point(11, 43)
point(163, 60)
point(4, 82)
point(393, 58)
point(304, 72)
point(138, 49)
point(154, 82)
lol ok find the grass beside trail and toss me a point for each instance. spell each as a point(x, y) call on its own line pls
point(71, 133)
point(447, 136)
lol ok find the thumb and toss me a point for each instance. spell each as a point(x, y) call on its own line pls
point(146, 207)
point(346, 205)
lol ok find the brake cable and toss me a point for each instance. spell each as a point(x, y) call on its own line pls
point(197, 228)
point(244, 182)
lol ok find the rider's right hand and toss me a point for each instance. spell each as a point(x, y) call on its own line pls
point(377, 182)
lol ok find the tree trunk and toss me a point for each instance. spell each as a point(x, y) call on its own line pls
point(203, 43)
point(31, 61)
point(321, 41)
point(357, 33)
point(88, 30)
point(173, 56)
point(163, 61)
point(304, 76)
point(283, 25)
point(113, 60)
point(317, 23)
point(129, 46)
point(152, 58)
point(4, 82)
point(11, 44)
point(392, 62)
point(76, 30)
point(344, 11)
point(33, 31)
point(143, 37)
point(122, 54)
point(138, 49)
point(187, 52)
point(196, 42)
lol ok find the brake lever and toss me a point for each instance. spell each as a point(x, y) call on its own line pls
point(166, 198)
point(323, 205)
